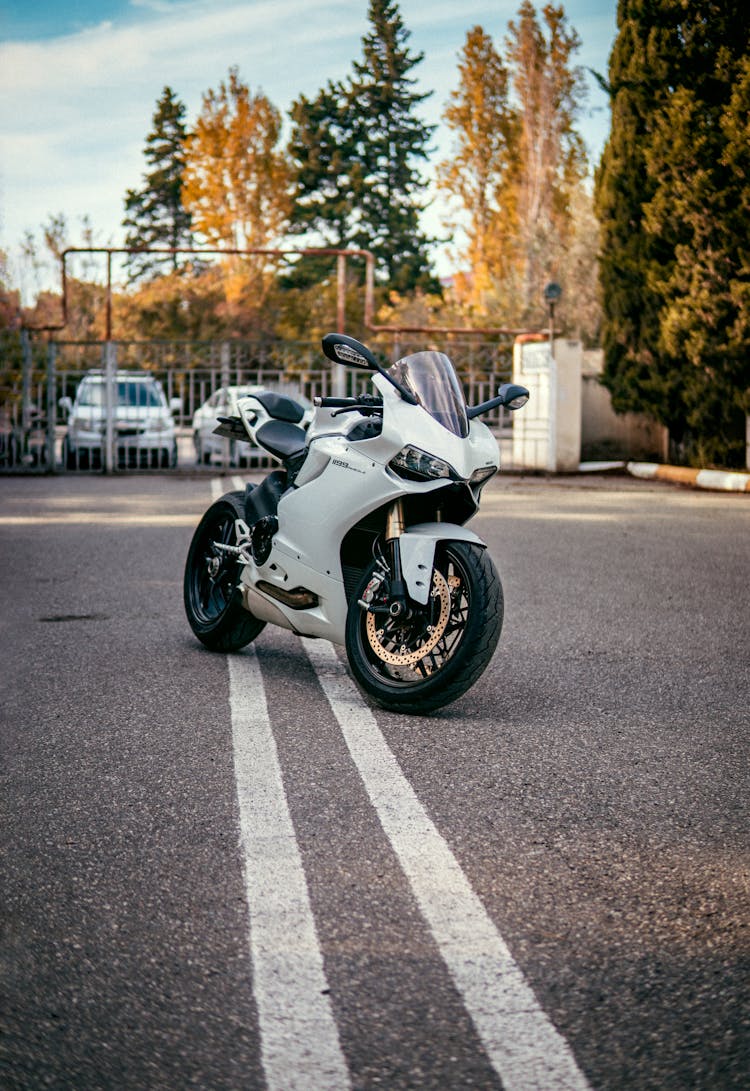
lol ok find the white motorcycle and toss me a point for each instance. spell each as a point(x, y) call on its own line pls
point(359, 537)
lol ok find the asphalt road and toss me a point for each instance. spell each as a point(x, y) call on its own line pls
point(591, 791)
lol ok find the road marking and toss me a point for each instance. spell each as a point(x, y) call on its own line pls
point(101, 518)
point(525, 1049)
point(218, 485)
point(299, 1042)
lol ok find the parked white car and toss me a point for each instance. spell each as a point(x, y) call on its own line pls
point(223, 403)
point(143, 425)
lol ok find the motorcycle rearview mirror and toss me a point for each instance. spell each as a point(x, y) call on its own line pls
point(342, 349)
point(513, 396)
point(509, 395)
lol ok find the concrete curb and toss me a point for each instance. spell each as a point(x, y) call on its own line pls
point(726, 481)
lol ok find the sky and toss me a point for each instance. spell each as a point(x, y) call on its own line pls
point(80, 79)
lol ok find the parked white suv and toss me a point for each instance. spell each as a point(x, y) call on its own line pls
point(143, 427)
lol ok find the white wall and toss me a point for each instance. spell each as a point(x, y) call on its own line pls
point(610, 435)
point(547, 431)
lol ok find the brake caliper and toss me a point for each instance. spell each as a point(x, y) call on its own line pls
point(368, 595)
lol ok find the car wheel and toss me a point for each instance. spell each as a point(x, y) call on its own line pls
point(13, 455)
point(202, 456)
point(68, 456)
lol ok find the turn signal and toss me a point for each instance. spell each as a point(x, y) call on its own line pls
point(482, 475)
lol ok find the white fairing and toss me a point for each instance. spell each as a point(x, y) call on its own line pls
point(418, 553)
point(342, 481)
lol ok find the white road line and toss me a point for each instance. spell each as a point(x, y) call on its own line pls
point(218, 485)
point(525, 1049)
point(299, 1042)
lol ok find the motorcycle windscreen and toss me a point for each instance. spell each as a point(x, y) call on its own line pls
point(431, 377)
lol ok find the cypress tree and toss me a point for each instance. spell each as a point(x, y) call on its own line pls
point(154, 214)
point(673, 271)
point(631, 323)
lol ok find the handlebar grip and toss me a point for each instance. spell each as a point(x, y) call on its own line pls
point(334, 403)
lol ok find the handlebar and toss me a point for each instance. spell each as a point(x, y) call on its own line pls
point(367, 400)
point(331, 403)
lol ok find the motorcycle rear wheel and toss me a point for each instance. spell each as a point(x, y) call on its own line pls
point(212, 602)
point(429, 660)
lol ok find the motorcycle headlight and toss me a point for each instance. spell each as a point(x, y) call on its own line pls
point(413, 463)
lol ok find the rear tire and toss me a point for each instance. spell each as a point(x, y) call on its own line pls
point(212, 601)
point(430, 660)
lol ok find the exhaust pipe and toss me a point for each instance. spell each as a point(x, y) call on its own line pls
point(299, 598)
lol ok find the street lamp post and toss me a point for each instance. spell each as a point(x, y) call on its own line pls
point(552, 293)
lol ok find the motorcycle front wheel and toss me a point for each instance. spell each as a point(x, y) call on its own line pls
point(427, 659)
point(212, 602)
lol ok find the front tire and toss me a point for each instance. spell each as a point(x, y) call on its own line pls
point(429, 660)
point(212, 602)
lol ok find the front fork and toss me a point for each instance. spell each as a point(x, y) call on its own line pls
point(397, 603)
point(394, 528)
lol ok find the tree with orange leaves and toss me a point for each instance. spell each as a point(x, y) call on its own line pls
point(236, 179)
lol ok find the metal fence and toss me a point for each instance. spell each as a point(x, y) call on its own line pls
point(39, 382)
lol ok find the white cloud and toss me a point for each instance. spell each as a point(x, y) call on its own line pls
point(76, 109)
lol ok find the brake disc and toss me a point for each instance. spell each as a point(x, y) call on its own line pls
point(403, 656)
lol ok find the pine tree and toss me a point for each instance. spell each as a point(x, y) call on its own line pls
point(392, 140)
point(326, 175)
point(154, 214)
point(326, 169)
point(674, 273)
point(356, 150)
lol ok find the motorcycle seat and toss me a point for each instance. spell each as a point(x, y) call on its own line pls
point(280, 407)
point(282, 439)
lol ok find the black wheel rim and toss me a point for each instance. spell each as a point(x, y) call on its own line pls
point(405, 637)
point(214, 572)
